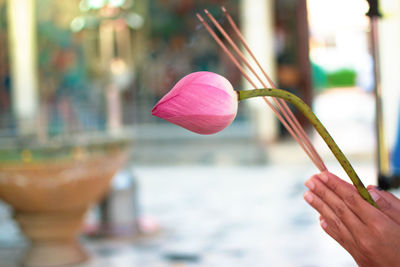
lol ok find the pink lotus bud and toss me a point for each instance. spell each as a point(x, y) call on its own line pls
point(201, 102)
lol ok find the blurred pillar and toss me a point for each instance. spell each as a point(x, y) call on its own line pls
point(257, 25)
point(22, 46)
point(382, 155)
point(389, 42)
point(107, 44)
point(303, 51)
point(114, 116)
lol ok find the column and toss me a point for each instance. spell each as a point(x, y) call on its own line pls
point(23, 65)
point(257, 25)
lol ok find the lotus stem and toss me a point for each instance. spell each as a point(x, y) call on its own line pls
point(307, 112)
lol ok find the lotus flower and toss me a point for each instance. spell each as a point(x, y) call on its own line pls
point(205, 103)
point(201, 102)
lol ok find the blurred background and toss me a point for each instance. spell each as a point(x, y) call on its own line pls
point(80, 74)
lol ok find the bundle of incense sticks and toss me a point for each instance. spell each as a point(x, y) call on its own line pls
point(281, 110)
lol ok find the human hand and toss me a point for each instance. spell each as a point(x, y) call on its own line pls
point(370, 235)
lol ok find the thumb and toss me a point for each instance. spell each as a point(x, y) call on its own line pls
point(385, 204)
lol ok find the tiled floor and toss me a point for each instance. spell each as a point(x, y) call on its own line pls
point(215, 216)
point(221, 201)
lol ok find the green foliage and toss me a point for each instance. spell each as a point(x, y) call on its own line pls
point(323, 79)
point(341, 78)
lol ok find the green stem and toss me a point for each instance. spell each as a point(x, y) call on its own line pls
point(307, 112)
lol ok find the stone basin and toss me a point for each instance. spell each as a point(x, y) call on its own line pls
point(50, 188)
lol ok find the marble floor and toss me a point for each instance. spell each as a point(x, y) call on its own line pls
point(212, 216)
point(219, 201)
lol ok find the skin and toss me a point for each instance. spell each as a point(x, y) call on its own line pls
point(370, 235)
point(319, 127)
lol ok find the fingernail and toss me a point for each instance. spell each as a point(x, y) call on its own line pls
point(310, 184)
point(375, 196)
point(324, 177)
point(323, 223)
point(308, 197)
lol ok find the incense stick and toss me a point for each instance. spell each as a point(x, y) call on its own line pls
point(282, 106)
point(298, 138)
point(288, 120)
point(287, 109)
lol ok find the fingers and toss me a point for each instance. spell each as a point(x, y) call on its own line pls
point(387, 203)
point(349, 195)
point(329, 221)
point(329, 202)
point(355, 224)
point(344, 238)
